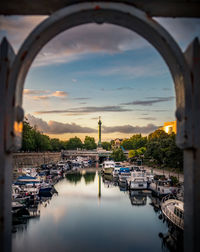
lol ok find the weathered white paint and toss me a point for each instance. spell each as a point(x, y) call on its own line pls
point(186, 98)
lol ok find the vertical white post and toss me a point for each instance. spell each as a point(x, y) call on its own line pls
point(6, 58)
point(192, 157)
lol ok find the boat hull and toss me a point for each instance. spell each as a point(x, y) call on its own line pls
point(137, 185)
point(108, 170)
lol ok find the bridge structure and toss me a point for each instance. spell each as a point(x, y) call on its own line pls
point(94, 155)
point(135, 15)
point(98, 154)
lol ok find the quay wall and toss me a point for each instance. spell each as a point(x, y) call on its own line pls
point(34, 159)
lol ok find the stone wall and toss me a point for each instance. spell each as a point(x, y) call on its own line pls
point(34, 159)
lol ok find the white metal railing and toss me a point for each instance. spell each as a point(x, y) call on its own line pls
point(170, 214)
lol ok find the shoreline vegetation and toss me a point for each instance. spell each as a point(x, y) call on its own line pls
point(157, 150)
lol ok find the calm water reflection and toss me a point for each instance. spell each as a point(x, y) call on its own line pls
point(92, 214)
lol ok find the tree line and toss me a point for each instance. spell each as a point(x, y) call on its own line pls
point(34, 140)
point(158, 149)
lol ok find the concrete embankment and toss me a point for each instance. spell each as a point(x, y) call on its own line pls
point(167, 173)
point(34, 159)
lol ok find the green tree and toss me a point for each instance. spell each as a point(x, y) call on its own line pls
point(106, 145)
point(56, 144)
point(89, 143)
point(118, 155)
point(141, 151)
point(73, 143)
point(157, 135)
point(161, 147)
point(28, 140)
point(135, 142)
point(132, 154)
point(138, 141)
point(127, 144)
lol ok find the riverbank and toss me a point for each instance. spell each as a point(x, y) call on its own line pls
point(167, 173)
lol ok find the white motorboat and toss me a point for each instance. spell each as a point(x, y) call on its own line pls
point(173, 210)
point(108, 167)
point(115, 172)
point(63, 165)
point(124, 174)
point(162, 188)
point(137, 180)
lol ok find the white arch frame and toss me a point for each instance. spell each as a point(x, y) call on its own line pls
point(113, 13)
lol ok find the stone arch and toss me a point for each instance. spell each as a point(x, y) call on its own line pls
point(112, 13)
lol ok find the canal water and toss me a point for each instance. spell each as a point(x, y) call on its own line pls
point(92, 213)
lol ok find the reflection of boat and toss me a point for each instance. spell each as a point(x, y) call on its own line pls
point(173, 239)
point(108, 177)
point(155, 202)
point(116, 171)
point(137, 180)
point(108, 180)
point(138, 198)
point(108, 167)
point(173, 210)
point(123, 187)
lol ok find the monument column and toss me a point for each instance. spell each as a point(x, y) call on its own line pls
point(99, 142)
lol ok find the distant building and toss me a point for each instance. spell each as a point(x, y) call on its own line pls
point(117, 142)
point(169, 127)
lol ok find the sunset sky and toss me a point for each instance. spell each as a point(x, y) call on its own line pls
point(98, 70)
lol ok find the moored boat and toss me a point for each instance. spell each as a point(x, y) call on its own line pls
point(108, 167)
point(162, 188)
point(124, 173)
point(137, 180)
point(173, 210)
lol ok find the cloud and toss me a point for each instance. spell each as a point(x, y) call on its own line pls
point(34, 92)
point(41, 97)
point(85, 110)
point(74, 80)
point(129, 129)
point(91, 38)
point(124, 88)
point(148, 118)
point(130, 72)
point(183, 30)
point(38, 94)
point(16, 28)
point(82, 98)
point(53, 127)
point(74, 43)
point(59, 94)
point(150, 102)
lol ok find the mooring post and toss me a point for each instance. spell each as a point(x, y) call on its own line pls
point(6, 58)
point(192, 157)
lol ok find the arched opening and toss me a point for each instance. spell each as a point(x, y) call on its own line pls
point(118, 14)
point(109, 13)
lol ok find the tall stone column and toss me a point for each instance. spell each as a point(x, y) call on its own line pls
point(99, 123)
